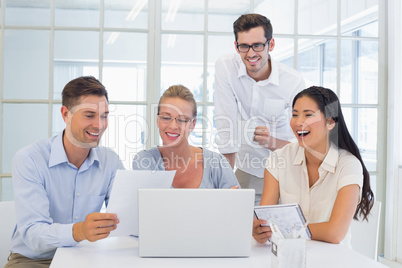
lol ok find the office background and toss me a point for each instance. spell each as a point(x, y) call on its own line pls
point(138, 48)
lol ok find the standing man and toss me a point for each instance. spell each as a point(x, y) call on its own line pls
point(60, 183)
point(253, 99)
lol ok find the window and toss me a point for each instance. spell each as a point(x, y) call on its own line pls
point(137, 53)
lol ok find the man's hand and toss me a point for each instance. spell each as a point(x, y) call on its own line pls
point(95, 227)
point(261, 135)
point(265, 140)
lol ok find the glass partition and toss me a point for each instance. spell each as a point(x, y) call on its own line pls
point(183, 15)
point(280, 13)
point(125, 66)
point(317, 17)
point(359, 66)
point(362, 124)
point(23, 124)
point(26, 64)
point(77, 13)
point(182, 62)
point(217, 46)
point(7, 193)
point(76, 53)
point(28, 13)
point(359, 14)
point(283, 51)
point(222, 14)
point(126, 14)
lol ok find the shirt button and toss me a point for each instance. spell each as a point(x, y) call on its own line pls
point(76, 218)
point(78, 194)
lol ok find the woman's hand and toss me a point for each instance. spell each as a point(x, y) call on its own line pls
point(261, 233)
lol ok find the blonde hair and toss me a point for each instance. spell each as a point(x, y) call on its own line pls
point(181, 92)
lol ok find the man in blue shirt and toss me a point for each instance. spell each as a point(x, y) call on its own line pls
point(60, 183)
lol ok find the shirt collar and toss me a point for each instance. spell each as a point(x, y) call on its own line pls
point(91, 159)
point(242, 68)
point(299, 156)
point(273, 77)
point(330, 160)
point(58, 154)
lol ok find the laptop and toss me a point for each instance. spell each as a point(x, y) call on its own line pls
point(195, 222)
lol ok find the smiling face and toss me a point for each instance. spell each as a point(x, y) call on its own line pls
point(174, 133)
point(87, 121)
point(257, 64)
point(310, 126)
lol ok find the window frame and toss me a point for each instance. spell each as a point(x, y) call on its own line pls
point(153, 79)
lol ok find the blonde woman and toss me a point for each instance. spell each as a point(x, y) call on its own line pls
point(195, 167)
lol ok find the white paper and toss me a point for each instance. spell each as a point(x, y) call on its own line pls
point(124, 196)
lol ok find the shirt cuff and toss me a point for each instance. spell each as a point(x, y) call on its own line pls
point(66, 235)
point(228, 150)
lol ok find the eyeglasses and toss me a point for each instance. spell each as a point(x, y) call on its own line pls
point(257, 47)
point(179, 120)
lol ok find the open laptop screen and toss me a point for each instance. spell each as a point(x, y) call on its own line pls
point(195, 222)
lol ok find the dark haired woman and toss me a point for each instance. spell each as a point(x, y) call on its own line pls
point(324, 172)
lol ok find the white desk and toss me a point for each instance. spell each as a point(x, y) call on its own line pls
point(123, 252)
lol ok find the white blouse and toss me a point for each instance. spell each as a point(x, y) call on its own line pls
point(339, 168)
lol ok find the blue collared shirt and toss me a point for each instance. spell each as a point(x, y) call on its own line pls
point(51, 194)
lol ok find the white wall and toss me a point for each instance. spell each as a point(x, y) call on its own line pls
point(393, 209)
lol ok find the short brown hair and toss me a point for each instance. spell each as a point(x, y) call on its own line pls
point(181, 92)
point(81, 86)
point(248, 21)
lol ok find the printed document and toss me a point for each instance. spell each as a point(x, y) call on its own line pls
point(124, 196)
point(286, 216)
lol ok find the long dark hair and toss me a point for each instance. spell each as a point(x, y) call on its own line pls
point(329, 104)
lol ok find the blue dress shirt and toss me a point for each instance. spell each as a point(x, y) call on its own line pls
point(51, 194)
